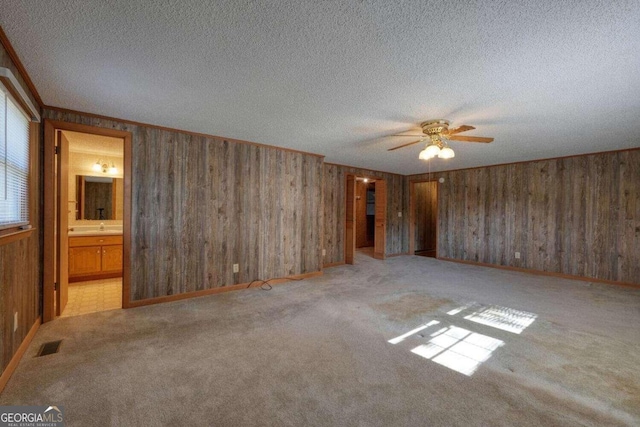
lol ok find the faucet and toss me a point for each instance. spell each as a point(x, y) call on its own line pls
point(102, 226)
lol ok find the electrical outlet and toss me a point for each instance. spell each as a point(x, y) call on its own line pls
point(517, 255)
point(15, 321)
point(399, 214)
point(236, 268)
point(324, 252)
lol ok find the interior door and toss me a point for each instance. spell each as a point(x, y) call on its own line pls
point(350, 232)
point(361, 214)
point(425, 215)
point(423, 218)
point(381, 220)
point(62, 213)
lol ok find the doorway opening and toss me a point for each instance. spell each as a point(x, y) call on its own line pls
point(87, 219)
point(365, 217)
point(423, 220)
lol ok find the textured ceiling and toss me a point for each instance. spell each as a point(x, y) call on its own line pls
point(545, 78)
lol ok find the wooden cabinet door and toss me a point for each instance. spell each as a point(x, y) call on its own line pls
point(85, 260)
point(111, 258)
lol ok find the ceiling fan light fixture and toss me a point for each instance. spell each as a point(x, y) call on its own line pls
point(446, 153)
point(424, 155)
point(433, 150)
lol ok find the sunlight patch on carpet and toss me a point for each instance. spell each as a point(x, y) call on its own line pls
point(504, 318)
point(459, 349)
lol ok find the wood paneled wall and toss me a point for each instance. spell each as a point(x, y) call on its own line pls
point(201, 204)
point(578, 216)
point(334, 211)
point(20, 262)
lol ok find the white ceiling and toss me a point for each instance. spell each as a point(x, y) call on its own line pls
point(545, 78)
point(94, 144)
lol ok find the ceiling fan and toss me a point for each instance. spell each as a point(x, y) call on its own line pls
point(436, 133)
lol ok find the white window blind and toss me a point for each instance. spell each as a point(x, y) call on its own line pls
point(14, 163)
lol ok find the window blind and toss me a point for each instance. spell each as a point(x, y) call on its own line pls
point(14, 163)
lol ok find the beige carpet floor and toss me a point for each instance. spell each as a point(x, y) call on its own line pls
point(409, 341)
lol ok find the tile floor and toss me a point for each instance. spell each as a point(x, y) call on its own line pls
point(96, 295)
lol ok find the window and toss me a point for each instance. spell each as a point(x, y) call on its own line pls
point(14, 163)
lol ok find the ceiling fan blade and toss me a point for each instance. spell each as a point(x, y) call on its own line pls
point(469, 138)
point(412, 136)
point(404, 145)
point(460, 129)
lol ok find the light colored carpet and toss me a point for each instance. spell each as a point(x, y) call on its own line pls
point(316, 352)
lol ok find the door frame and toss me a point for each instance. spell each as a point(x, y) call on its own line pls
point(50, 184)
point(412, 214)
point(380, 239)
point(62, 223)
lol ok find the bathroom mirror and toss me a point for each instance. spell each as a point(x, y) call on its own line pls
point(97, 197)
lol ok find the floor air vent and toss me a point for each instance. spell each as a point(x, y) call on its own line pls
point(48, 348)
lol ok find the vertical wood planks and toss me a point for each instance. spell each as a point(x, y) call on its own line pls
point(578, 215)
point(201, 204)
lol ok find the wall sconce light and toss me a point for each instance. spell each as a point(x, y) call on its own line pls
point(104, 167)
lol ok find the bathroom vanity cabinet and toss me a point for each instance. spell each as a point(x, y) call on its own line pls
point(94, 257)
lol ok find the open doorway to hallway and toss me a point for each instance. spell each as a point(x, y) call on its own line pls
point(366, 217)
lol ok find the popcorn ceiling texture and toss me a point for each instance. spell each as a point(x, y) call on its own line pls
point(545, 78)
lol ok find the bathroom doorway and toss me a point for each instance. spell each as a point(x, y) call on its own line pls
point(87, 219)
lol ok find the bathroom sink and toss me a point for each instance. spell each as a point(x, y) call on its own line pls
point(93, 230)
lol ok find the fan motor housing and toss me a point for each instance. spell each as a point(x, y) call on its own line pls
point(434, 127)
